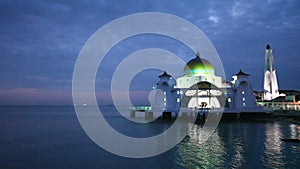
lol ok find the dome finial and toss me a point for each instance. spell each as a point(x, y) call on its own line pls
point(198, 54)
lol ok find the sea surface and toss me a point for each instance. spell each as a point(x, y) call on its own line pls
point(51, 137)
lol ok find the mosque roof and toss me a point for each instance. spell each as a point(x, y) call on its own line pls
point(199, 67)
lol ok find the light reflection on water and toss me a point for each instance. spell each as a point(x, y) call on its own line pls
point(273, 146)
point(194, 154)
point(238, 158)
point(240, 145)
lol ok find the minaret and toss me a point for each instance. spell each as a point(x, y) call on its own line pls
point(171, 96)
point(270, 80)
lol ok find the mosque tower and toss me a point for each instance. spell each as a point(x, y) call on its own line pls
point(270, 80)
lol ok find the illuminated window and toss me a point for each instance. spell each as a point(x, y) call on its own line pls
point(178, 92)
point(164, 93)
point(229, 99)
point(244, 104)
point(244, 99)
point(165, 99)
point(243, 92)
point(178, 100)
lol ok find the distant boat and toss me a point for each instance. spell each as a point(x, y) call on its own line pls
point(84, 104)
point(290, 139)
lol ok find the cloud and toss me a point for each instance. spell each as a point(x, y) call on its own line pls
point(237, 10)
point(214, 19)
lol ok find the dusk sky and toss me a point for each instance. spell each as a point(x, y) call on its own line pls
point(41, 40)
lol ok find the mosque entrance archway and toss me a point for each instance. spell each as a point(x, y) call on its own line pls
point(203, 95)
point(204, 102)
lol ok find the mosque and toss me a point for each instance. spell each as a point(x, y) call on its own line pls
point(201, 88)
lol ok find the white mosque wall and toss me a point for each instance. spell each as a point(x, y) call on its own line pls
point(188, 81)
point(241, 96)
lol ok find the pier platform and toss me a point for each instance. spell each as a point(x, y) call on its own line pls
point(200, 114)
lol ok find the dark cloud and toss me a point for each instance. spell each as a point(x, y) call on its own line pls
point(40, 40)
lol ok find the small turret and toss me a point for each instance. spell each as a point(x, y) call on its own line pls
point(241, 73)
point(165, 74)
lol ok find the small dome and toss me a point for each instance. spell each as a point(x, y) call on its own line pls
point(199, 67)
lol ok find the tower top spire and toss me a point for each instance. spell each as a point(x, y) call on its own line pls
point(198, 55)
point(268, 46)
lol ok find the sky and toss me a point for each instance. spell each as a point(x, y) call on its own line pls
point(41, 40)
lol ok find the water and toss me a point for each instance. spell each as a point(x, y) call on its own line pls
point(51, 137)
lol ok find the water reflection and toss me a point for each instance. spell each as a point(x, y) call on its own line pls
point(238, 158)
point(295, 148)
point(273, 146)
point(233, 135)
point(295, 131)
point(239, 145)
point(193, 154)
